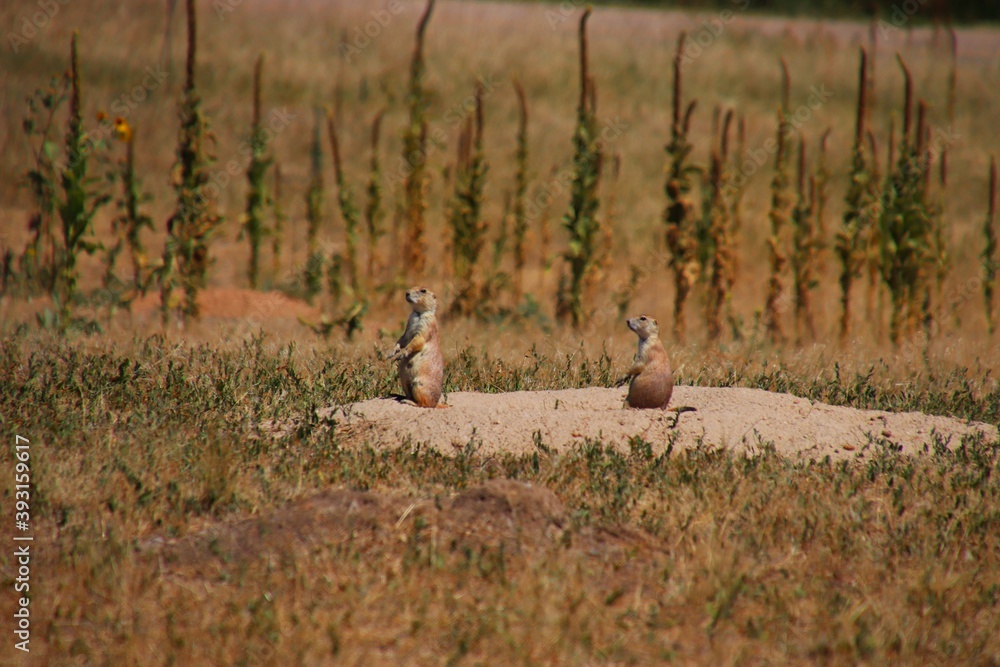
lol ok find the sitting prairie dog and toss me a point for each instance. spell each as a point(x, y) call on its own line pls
point(421, 367)
point(652, 382)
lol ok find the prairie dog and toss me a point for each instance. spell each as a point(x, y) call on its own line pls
point(652, 382)
point(421, 368)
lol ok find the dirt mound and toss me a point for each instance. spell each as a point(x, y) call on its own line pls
point(236, 303)
point(500, 512)
point(735, 418)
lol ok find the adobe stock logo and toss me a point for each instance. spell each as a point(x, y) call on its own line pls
point(29, 26)
point(361, 36)
point(754, 159)
point(122, 107)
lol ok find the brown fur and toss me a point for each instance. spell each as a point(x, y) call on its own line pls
point(652, 381)
point(421, 367)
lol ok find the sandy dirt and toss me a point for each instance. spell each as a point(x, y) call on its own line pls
point(735, 418)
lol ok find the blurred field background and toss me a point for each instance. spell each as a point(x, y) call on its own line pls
point(631, 54)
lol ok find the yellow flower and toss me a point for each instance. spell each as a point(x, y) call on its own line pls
point(122, 130)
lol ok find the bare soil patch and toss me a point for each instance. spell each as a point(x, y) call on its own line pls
point(502, 512)
point(237, 303)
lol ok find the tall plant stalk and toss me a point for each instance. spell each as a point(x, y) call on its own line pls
point(278, 231)
point(257, 196)
point(679, 213)
point(581, 221)
point(415, 155)
point(38, 261)
point(720, 231)
point(130, 221)
point(780, 216)
point(350, 213)
point(520, 193)
point(373, 207)
point(80, 202)
point(990, 250)
point(190, 228)
point(468, 231)
point(905, 225)
point(314, 216)
point(805, 247)
point(861, 200)
point(821, 179)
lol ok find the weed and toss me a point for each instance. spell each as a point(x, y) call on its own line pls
point(194, 221)
point(468, 231)
point(80, 201)
point(805, 247)
point(581, 220)
point(520, 192)
point(905, 225)
point(257, 196)
point(314, 216)
point(859, 215)
point(351, 319)
point(130, 221)
point(278, 230)
point(719, 244)
point(373, 208)
point(821, 179)
point(350, 213)
point(779, 215)
point(679, 213)
point(43, 181)
point(990, 250)
point(415, 154)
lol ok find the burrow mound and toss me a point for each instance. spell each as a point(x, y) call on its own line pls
point(739, 419)
point(505, 512)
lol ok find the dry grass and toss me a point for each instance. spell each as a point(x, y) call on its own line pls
point(156, 490)
point(184, 532)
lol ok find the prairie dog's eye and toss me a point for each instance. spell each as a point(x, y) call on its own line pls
point(643, 318)
point(423, 291)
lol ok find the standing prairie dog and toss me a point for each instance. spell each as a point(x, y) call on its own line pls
point(421, 368)
point(652, 382)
